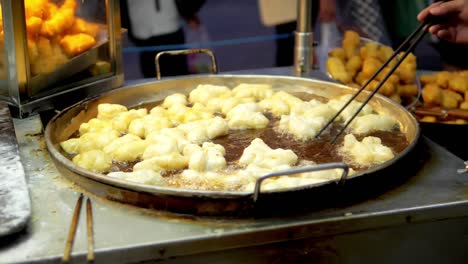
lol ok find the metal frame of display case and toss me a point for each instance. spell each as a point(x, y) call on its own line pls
point(17, 89)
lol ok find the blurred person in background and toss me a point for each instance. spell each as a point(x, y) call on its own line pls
point(159, 23)
point(281, 14)
point(363, 16)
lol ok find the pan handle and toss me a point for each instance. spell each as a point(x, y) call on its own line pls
point(214, 65)
point(326, 166)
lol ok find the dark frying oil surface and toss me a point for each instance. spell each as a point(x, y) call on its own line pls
point(317, 150)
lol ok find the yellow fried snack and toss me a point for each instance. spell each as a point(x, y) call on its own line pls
point(407, 90)
point(81, 26)
point(33, 26)
point(387, 89)
point(396, 97)
point(350, 42)
point(62, 20)
point(425, 79)
point(442, 79)
point(369, 66)
point(35, 8)
point(458, 84)
point(429, 119)
point(450, 99)
point(77, 43)
point(384, 53)
point(338, 53)
point(337, 69)
point(464, 105)
point(447, 90)
point(394, 78)
point(47, 22)
point(353, 65)
point(432, 94)
point(363, 58)
point(407, 73)
point(370, 50)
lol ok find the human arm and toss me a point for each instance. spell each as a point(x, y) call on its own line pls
point(327, 11)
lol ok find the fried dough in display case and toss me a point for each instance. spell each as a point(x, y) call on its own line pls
point(57, 47)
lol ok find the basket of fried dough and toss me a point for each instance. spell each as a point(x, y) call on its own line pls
point(447, 91)
point(358, 59)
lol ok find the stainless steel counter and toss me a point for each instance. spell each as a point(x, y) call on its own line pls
point(125, 234)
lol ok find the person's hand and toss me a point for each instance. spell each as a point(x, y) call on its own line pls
point(327, 11)
point(454, 15)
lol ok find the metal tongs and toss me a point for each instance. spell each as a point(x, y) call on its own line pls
point(412, 41)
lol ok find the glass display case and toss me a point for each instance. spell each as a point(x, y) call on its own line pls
point(56, 52)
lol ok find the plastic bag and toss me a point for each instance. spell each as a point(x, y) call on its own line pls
point(197, 37)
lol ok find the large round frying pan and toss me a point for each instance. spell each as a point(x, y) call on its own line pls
point(67, 122)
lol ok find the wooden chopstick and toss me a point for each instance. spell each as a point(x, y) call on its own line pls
point(72, 230)
point(90, 234)
point(73, 227)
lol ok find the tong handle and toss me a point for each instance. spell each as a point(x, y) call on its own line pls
point(319, 167)
point(214, 65)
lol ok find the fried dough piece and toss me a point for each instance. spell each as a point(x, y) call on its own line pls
point(450, 99)
point(369, 66)
point(458, 84)
point(338, 53)
point(387, 89)
point(384, 53)
point(33, 26)
point(354, 64)
point(76, 44)
point(81, 26)
point(407, 90)
point(35, 8)
point(350, 43)
point(442, 79)
point(464, 105)
point(62, 20)
point(337, 69)
point(432, 94)
point(428, 78)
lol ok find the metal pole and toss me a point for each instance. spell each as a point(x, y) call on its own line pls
point(303, 48)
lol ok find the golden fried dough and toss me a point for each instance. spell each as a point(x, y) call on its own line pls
point(337, 69)
point(407, 90)
point(361, 59)
point(458, 84)
point(338, 53)
point(432, 94)
point(450, 99)
point(77, 43)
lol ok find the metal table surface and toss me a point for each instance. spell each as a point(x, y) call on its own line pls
point(126, 234)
